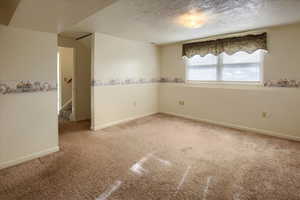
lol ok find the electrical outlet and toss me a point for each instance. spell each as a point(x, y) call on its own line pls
point(264, 115)
point(181, 103)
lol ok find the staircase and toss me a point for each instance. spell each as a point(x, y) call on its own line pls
point(65, 112)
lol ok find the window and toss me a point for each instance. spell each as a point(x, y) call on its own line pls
point(239, 67)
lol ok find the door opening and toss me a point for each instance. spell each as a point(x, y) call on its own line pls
point(74, 74)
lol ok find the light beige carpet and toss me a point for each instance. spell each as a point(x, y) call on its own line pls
point(159, 157)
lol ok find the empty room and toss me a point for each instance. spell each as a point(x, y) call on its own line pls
point(150, 100)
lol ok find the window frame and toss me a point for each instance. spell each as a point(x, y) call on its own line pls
point(219, 73)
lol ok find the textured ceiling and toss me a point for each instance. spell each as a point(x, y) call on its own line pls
point(156, 20)
point(54, 15)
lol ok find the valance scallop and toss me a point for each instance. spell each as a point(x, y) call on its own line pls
point(248, 43)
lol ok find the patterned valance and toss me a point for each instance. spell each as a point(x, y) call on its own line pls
point(248, 43)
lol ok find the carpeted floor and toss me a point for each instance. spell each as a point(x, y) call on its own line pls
point(159, 157)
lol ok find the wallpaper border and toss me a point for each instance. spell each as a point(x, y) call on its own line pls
point(132, 81)
point(283, 83)
point(26, 86)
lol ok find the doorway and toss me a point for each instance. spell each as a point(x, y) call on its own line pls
point(74, 84)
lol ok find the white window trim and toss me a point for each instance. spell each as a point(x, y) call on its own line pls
point(220, 61)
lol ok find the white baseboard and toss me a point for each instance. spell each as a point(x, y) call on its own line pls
point(239, 127)
point(98, 127)
point(28, 157)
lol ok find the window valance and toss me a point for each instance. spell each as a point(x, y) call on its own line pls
point(248, 43)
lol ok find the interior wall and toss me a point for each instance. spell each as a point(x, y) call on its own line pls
point(66, 73)
point(28, 117)
point(124, 74)
point(237, 105)
point(82, 76)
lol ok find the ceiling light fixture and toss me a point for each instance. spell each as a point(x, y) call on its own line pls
point(192, 19)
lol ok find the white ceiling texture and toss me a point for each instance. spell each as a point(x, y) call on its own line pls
point(157, 21)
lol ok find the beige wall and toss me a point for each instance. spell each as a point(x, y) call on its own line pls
point(283, 58)
point(82, 76)
point(241, 106)
point(28, 121)
point(66, 61)
point(115, 58)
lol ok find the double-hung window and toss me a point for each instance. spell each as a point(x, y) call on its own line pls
point(239, 67)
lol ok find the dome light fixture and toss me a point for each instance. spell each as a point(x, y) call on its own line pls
point(193, 19)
